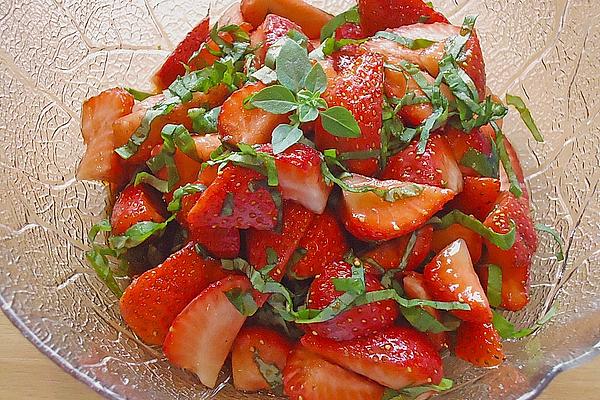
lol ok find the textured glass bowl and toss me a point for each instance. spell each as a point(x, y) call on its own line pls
point(54, 54)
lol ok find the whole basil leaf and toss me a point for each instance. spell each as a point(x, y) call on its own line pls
point(307, 113)
point(316, 80)
point(340, 122)
point(285, 136)
point(292, 65)
point(275, 99)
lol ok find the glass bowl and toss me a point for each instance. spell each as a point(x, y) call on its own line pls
point(53, 55)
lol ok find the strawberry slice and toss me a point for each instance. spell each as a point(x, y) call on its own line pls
point(349, 30)
point(436, 166)
point(515, 262)
point(355, 322)
point(379, 15)
point(478, 197)
point(309, 377)
point(323, 243)
point(136, 204)
point(235, 199)
point(461, 142)
point(388, 255)
point(359, 88)
point(238, 124)
point(370, 217)
point(174, 64)
point(479, 344)
point(153, 300)
point(100, 162)
point(300, 176)
point(202, 335)
point(396, 357)
point(255, 352)
point(444, 237)
point(296, 220)
point(450, 277)
point(270, 31)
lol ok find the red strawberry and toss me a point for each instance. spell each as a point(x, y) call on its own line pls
point(174, 64)
point(300, 176)
point(136, 204)
point(478, 197)
point(415, 288)
point(355, 322)
point(436, 166)
point(349, 31)
point(515, 262)
point(443, 237)
point(309, 377)
point(450, 277)
point(296, 220)
point(396, 357)
point(370, 217)
point(235, 200)
point(358, 88)
point(238, 124)
point(479, 344)
point(461, 142)
point(379, 15)
point(389, 254)
point(324, 243)
point(153, 300)
point(202, 335)
point(270, 31)
point(252, 346)
point(100, 162)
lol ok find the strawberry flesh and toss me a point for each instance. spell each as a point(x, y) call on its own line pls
point(479, 344)
point(478, 197)
point(443, 237)
point(379, 15)
point(136, 204)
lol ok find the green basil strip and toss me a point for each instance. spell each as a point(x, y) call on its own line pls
point(415, 391)
point(423, 321)
point(507, 330)
point(560, 255)
point(203, 121)
point(389, 275)
point(390, 294)
point(271, 373)
point(504, 241)
point(102, 226)
point(515, 185)
point(519, 104)
point(178, 195)
point(483, 164)
point(494, 285)
point(138, 234)
point(149, 179)
point(242, 301)
point(97, 258)
point(139, 95)
point(413, 44)
point(358, 155)
point(330, 27)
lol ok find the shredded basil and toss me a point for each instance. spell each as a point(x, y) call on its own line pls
point(525, 114)
point(507, 330)
point(560, 255)
point(504, 241)
point(494, 285)
point(414, 392)
point(242, 301)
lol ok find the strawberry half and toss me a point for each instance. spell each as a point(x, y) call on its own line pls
point(444, 237)
point(153, 300)
point(296, 220)
point(238, 124)
point(309, 377)
point(136, 204)
point(358, 88)
point(461, 142)
point(379, 15)
point(324, 243)
point(436, 166)
point(515, 262)
point(396, 357)
point(349, 30)
point(270, 31)
point(450, 277)
point(370, 217)
point(235, 199)
point(479, 344)
point(203, 333)
point(255, 346)
point(478, 197)
point(355, 322)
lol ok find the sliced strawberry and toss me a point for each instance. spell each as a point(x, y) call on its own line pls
point(309, 377)
point(300, 176)
point(323, 243)
point(389, 255)
point(174, 64)
point(136, 204)
point(436, 166)
point(379, 15)
point(235, 199)
point(370, 217)
point(450, 277)
point(238, 124)
point(296, 220)
point(479, 344)
point(355, 322)
point(443, 237)
point(153, 300)
point(100, 162)
point(270, 31)
point(349, 31)
point(396, 357)
point(415, 288)
point(203, 333)
point(253, 347)
point(358, 88)
point(515, 262)
point(461, 142)
point(478, 197)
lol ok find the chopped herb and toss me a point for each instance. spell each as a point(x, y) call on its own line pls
point(519, 104)
point(484, 165)
point(413, 44)
point(270, 373)
point(508, 331)
point(515, 185)
point(139, 95)
point(494, 285)
point(227, 209)
point(204, 121)
point(178, 195)
point(389, 275)
point(560, 255)
point(149, 179)
point(242, 301)
point(138, 234)
point(415, 392)
point(348, 16)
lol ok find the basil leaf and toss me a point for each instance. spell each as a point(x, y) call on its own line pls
point(423, 321)
point(292, 65)
point(503, 241)
point(242, 301)
point(330, 27)
point(483, 164)
point(270, 373)
point(413, 44)
point(414, 392)
point(275, 99)
point(340, 122)
point(560, 256)
point(519, 104)
point(149, 179)
point(227, 208)
point(389, 275)
point(266, 75)
point(285, 136)
point(138, 234)
point(204, 121)
point(515, 185)
point(316, 80)
point(331, 45)
point(494, 285)
point(139, 95)
point(307, 113)
point(190, 188)
point(391, 294)
point(507, 330)
point(97, 258)
point(102, 226)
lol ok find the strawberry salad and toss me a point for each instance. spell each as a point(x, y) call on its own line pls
point(327, 203)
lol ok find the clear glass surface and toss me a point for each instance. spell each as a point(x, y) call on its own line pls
point(54, 54)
